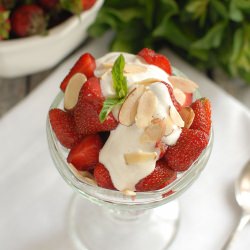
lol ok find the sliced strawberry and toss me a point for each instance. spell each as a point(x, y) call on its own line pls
point(171, 93)
point(102, 177)
point(159, 178)
point(151, 57)
point(63, 125)
point(187, 149)
point(88, 107)
point(28, 20)
point(87, 4)
point(85, 155)
point(85, 64)
point(202, 119)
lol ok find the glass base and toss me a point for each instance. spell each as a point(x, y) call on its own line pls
point(93, 227)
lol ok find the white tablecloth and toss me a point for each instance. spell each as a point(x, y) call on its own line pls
point(34, 198)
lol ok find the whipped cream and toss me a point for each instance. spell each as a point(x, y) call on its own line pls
point(125, 139)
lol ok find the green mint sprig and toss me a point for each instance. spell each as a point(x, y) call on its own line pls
point(120, 86)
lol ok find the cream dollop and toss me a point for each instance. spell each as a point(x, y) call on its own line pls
point(125, 139)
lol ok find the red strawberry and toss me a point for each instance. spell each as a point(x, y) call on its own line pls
point(151, 57)
point(4, 24)
point(171, 93)
point(87, 4)
point(102, 177)
point(48, 4)
point(187, 149)
point(28, 20)
point(159, 178)
point(202, 119)
point(88, 107)
point(85, 154)
point(64, 127)
point(85, 64)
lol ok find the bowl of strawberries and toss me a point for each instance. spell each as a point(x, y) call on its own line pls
point(128, 133)
point(37, 36)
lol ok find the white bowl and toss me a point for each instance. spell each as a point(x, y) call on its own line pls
point(30, 55)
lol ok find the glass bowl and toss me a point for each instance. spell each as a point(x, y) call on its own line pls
point(122, 222)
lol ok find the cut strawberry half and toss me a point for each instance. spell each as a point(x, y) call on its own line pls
point(85, 155)
point(88, 107)
point(171, 93)
point(85, 64)
point(102, 177)
point(63, 125)
point(202, 119)
point(151, 57)
point(159, 178)
point(187, 149)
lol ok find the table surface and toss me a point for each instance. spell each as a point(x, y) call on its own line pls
point(12, 91)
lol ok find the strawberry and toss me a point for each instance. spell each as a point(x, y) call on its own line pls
point(87, 4)
point(171, 93)
point(102, 177)
point(159, 178)
point(85, 154)
point(151, 57)
point(85, 64)
point(28, 20)
point(202, 119)
point(4, 24)
point(187, 149)
point(88, 107)
point(48, 4)
point(63, 125)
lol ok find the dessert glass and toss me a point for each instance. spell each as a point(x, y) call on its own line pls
point(100, 218)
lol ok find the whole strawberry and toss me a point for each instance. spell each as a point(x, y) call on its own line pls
point(159, 178)
point(4, 24)
point(77, 6)
point(187, 149)
point(28, 20)
point(202, 119)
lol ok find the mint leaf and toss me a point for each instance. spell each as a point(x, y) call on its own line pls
point(108, 105)
point(119, 80)
point(120, 87)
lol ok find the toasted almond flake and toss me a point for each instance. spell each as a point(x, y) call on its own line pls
point(128, 109)
point(128, 192)
point(139, 157)
point(89, 181)
point(169, 126)
point(148, 81)
point(154, 131)
point(134, 68)
point(183, 84)
point(175, 116)
point(179, 96)
point(73, 89)
point(146, 109)
point(187, 114)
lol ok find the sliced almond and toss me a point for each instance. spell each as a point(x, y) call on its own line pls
point(73, 89)
point(134, 68)
point(179, 96)
point(154, 131)
point(128, 192)
point(129, 107)
point(169, 126)
point(175, 116)
point(148, 81)
point(89, 181)
point(183, 84)
point(187, 114)
point(146, 109)
point(139, 157)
